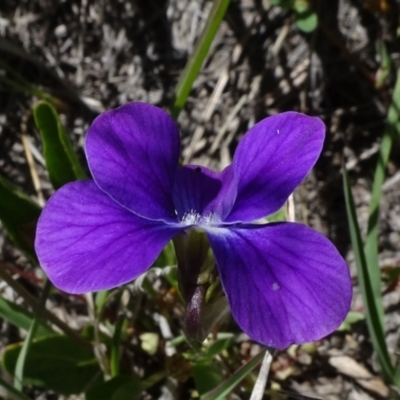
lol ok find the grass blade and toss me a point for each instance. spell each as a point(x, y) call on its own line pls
point(371, 242)
point(227, 386)
point(195, 62)
point(374, 322)
point(19, 368)
point(47, 315)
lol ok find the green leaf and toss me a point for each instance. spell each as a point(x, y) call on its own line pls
point(167, 256)
point(307, 22)
point(115, 387)
point(196, 60)
point(301, 6)
point(352, 318)
point(207, 375)
point(222, 343)
point(129, 391)
point(227, 386)
point(61, 161)
point(55, 363)
point(20, 317)
point(18, 214)
point(374, 322)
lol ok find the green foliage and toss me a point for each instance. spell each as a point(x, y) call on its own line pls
point(57, 363)
point(306, 18)
point(352, 318)
point(372, 305)
point(224, 388)
point(117, 388)
point(369, 273)
point(18, 214)
point(307, 21)
point(207, 375)
point(61, 160)
point(20, 317)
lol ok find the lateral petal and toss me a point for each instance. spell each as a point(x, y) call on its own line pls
point(133, 154)
point(85, 241)
point(285, 282)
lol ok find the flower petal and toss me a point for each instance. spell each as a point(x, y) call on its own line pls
point(285, 282)
point(271, 160)
point(133, 154)
point(204, 192)
point(85, 241)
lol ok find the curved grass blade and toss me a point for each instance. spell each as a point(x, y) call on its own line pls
point(20, 317)
point(48, 316)
point(61, 160)
point(195, 62)
point(222, 390)
point(374, 322)
point(19, 368)
point(371, 242)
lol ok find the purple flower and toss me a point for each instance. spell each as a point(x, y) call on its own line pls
point(285, 283)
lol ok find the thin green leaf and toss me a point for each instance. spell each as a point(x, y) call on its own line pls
point(48, 316)
point(19, 367)
point(227, 386)
point(195, 62)
point(371, 242)
point(374, 322)
point(14, 393)
point(61, 161)
point(116, 341)
point(18, 214)
point(20, 317)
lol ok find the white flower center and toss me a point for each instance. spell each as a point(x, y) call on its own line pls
point(192, 217)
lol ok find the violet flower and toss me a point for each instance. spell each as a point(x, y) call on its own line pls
point(285, 283)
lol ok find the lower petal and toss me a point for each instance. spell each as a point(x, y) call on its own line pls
point(86, 242)
point(285, 282)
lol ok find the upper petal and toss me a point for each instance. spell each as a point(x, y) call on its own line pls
point(271, 160)
point(285, 282)
point(203, 192)
point(133, 154)
point(85, 241)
